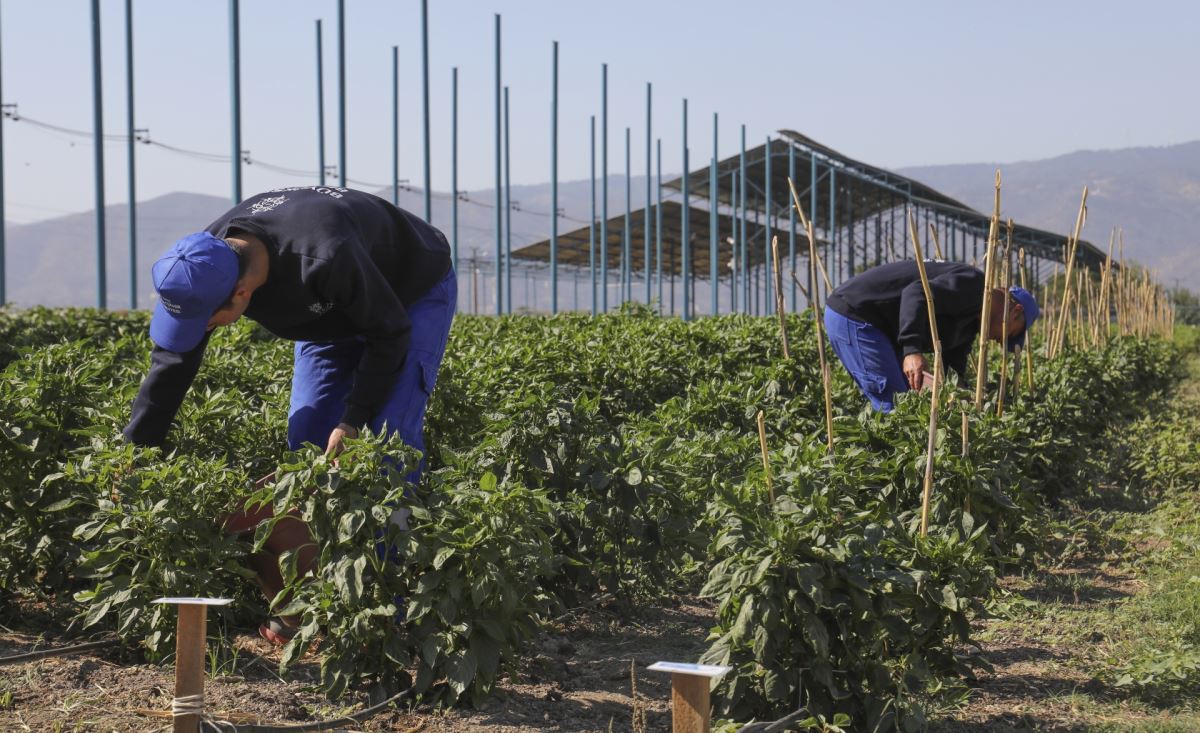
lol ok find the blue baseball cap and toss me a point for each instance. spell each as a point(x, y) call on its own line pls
point(1031, 310)
point(192, 279)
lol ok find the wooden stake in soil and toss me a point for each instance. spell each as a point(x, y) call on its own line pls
point(984, 318)
point(188, 706)
point(814, 261)
point(762, 443)
point(691, 708)
point(1028, 344)
point(779, 308)
point(1006, 280)
point(1072, 246)
point(937, 374)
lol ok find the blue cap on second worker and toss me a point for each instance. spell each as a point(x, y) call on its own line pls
point(1031, 310)
point(192, 279)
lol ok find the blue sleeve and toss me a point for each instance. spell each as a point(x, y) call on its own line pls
point(161, 394)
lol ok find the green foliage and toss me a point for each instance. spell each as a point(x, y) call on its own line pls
point(569, 457)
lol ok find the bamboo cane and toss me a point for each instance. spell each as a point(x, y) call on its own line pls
point(1072, 245)
point(966, 433)
point(796, 280)
point(1006, 280)
point(937, 246)
point(930, 311)
point(813, 262)
point(1028, 344)
point(986, 309)
point(779, 307)
point(762, 444)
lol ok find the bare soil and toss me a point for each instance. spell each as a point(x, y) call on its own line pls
point(575, 677)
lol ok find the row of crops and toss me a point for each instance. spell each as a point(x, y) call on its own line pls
point(570, 458)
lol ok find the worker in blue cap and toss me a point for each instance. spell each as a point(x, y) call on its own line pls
point(878, 324)
point(365, 289)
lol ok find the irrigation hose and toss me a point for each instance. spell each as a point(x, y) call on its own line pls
point(776, 726)
point(360, 716)
point(59, 652)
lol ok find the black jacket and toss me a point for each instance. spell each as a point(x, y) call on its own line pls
point(343, 264)
point(890, 297)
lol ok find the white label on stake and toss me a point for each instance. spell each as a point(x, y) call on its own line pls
point(699, 670)
point(195, 601)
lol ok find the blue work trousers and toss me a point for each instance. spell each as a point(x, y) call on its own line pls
point(324, 374)
point(869, 356)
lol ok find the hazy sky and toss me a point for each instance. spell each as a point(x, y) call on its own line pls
point(892, 83)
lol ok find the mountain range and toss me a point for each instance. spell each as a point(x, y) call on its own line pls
point(1151, 193)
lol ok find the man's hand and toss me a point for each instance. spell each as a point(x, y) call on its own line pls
point(914, 369)
point(339, 433)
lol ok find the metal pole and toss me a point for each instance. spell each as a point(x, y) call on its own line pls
point(396, 126)
point(3, 277)
point(742, 225)
point(737, 275)
point(592, 222)
point(712, 223)
point(658, 224)
point(235, 91)
point(320, 110)
point(833, 217)
point(507, 213)
point(98, 126)
point(768, 282)
point(499, 192)
point(792, 222)
point(685, 262)
point(646, 221)
point(554, 185)
point(629, 250)
point(813, 280)
point(604, 187)
point(341, 10)
point(425, 97)
point(132, 168)
point(454, 165)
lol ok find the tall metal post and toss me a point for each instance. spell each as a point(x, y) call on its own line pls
point(833, 233)
point(792, 223)
point(499, 191)
point(425, 105)
point(604, 187)
point(741, 224)
point(713, 272)
point(658, 223)
point(813, 280)
point(396, 126)
point(507, 213)
point(737, 274)
point(685, 233)
point(320, 109)
point(626, 240)
point(235, 92)
point(98, 127)
point(554, 184)
point(341, 12)
point(132, 168)
point(454, 165)
point(769, 282)
point(3, 277)
point(646, 218)
point(592, 224)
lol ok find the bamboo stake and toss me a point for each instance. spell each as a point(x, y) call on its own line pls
point(966, 433)
point(814, 261)
point(762, 444)
point(1072, 244)
point(937, 246)
point(1006, 278)
point(1028, 344)
point(930, 311)
point(985, 316)
point(779, 307)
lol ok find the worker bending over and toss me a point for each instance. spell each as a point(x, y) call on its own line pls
point(879, 327)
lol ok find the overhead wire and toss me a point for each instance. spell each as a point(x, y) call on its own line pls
point(145, 139)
